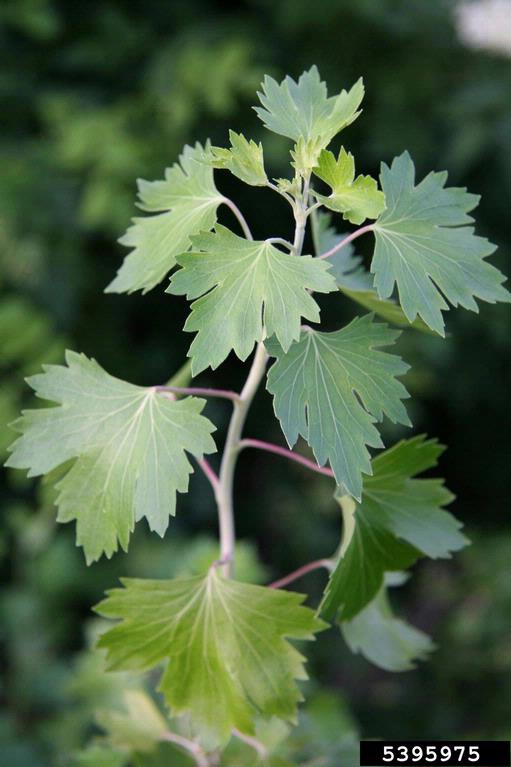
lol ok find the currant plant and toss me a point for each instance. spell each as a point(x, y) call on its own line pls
point(120, 452)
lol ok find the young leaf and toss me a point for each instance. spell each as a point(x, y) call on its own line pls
point(244, 159)
point(351, 277)
point(127, 444)
point(386, 641)
point(424, 247)
point(246, 288)
point(332, 387)
point(356, 198)
point(399, 519)
point(303, 109)
point(186, 202)
point(305, 155)
point(224, 644)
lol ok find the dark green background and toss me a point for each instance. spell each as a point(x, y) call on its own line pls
point(95, 94)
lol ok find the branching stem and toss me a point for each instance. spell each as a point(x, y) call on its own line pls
point(280, 241)
point(285, 453)
point(346, 240)
point(192, 748)
point(328, 564)
point(200, 391)
point(208, 473)
point(258, 747)
point(239, 215)
point(230, 456)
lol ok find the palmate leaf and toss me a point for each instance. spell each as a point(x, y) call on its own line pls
point(303, 109)
point(244, 159)
point(425, 248)
point(225, 645)
point(351, 277)
point(127, 446)
point(383, 639)
point(186, 203)
point(331, 388)
point(246, 287)
point(356, 198)
point(399, 520)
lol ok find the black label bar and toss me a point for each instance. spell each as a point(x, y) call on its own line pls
point(434, 753)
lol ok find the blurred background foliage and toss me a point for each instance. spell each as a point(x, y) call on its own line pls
point(97, 94)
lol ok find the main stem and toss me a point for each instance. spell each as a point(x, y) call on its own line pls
point(230, 456)
point(224, 487)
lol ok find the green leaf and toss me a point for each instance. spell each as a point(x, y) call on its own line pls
point(356, 198)
point(127, 446)
point(424, 247)
point(224, 644)
point(186, 203)
point(138, 727)
point(244, 159)
point(247, 288)
point(351, 277)
point(386, 641)
point(305, 154)
point(332, 387)
point(399, 519)
point(303, 109)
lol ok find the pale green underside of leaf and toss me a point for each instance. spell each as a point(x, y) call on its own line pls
point(184, 203)
point(399, 519)
point(331, 388)
point(244, 159)
point(303, 109)
point(127, 447)
point(356, 198)
point(383, 639)
point(425, 248)
point(351, 277)
point(246, 288)
point(225, 645)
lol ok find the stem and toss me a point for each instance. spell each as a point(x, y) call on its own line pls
point(285, 453)
point(328, 564)
point(192, 748)
point(283, 194)
point(239, 215)
point(230, 456)
point(346, 240)
point(258, 747)
point(300, 213)
point(313, 207)
point(280, 241)
point(200, 391)
point(208, 472)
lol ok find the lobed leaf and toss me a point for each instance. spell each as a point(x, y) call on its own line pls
point(303, 109)
point(425, 248)
point(244, 159)
point(331, 388)
point(247, 289)
point(224, 644)
point(185, 203)
point(383, 639)
point(126, 446)
point(351, 277)
point(399, 519)
point(356, 198)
